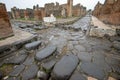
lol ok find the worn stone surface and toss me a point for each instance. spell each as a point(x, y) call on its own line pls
point(77, 76)
point(49, 65)
point(64, 68)
point(85, 56)
point(33, 45)
point(99, 29)
point(17, 70)
point(30, 72)
point(93, 70)
point(17, 59)
point(46, 52)
point(80, 48)
point(30, 60)
point(116, 45)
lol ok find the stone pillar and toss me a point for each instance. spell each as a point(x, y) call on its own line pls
point(69, 8)
point(13, 11)
point(5, 26)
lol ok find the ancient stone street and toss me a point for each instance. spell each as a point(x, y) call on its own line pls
point(61, 52)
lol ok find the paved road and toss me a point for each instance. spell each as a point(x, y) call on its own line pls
point(96, 58)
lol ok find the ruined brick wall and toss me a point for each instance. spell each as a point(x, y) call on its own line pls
point(42, 12)
point(79, 10)
point(109, 12)
point(37, 14)
point(5, 26)
point(51, 8)
point(76, 10)
point(26, 15)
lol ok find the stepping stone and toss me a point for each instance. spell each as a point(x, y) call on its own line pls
point(30, 72)
point(17, 59)
point(17, 70)
point(93, 70)
point(29, 60)
point(46, 52)
point(33, 45)
point(49, 65)
point(65, 67)
point(85, 56)
point(77, 76)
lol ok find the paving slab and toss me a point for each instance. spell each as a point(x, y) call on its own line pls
point(93, 70)
point(46, 52)
point(78, 76)
point(17, 70)
point(80, 48)
point(65, 67)
point(85, 56)
point(33, 45)
point(30, 72)
point(17, 59)
point(49, 65)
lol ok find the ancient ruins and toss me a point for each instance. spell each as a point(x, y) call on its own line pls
point(37, 13)
point(81, 45)
point(5, 26)
point(109, 12)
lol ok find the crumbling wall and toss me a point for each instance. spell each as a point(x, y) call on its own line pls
point(5, 26)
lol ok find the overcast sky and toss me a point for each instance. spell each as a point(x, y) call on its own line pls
point(29, 3)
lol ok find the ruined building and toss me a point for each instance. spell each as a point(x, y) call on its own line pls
point(5, 26)
point(109, 12)
point(37, 13)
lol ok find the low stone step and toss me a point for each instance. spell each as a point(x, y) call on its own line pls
point(30, 72)
point(33, 45)
point(19, 44)
point(46, 52)
point(65, 67)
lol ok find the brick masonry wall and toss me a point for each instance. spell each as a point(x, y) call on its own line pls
point(5, 26)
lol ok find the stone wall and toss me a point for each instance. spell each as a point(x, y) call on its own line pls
point(109, 12)
point(78, 10)
point(37, 14)
point(5, 26)
point(63, 10)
